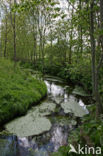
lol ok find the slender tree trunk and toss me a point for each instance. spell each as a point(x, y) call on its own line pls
point(71, 38)
point(101, 19)
point(31, 56)
point(14, 31)
point(92, 46)
point(65, 52)
point(0, 38)
point(35, 25)
point(99, 107)
point(81, 33)
point(35, 43)
point(35, 47)
point(0, 47)
point(43, 47)
point(95, 70)
point(13, 23)
point(51, 38)
point(5, 48)
point(70, 49)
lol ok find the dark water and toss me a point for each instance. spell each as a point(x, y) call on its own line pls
point(63, 119)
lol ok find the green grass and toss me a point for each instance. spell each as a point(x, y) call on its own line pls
point(18, 91)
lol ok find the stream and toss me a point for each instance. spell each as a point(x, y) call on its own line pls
point(47, 126)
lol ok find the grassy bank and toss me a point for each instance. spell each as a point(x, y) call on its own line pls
point(18, 91)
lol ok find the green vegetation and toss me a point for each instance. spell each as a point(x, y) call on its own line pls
point(18, 91)
point(89, 133)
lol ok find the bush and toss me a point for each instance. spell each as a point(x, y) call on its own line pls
point(78, 73)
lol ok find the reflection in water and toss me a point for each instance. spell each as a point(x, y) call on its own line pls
point(56, 139)
point(24, 142)
point(59, 138)
point(8, 145)
point(44, 144)
point(54, 90)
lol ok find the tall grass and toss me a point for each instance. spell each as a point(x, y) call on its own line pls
point(18, 91)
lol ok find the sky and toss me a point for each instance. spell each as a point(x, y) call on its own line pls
point(63, 4)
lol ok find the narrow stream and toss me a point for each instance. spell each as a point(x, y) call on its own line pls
point(45, 127)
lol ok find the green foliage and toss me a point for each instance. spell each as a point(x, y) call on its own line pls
point(56, 53)
point(18, 91)
point(78, 72)
point(27, 65)
point(63, 151)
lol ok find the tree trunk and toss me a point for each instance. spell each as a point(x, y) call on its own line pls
point(35, 43)
point(101, 19)
point(99, 107)
point(14, 31)
point(0, 47)
point(5, 48)
point(70, 49)
point(81, 33)
point(92, 46)
point(35, 47)
point(71, 38)
point(95, 70)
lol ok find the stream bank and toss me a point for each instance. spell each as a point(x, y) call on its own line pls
point(18, 91)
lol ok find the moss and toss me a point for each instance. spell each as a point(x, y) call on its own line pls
point(18, 91)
